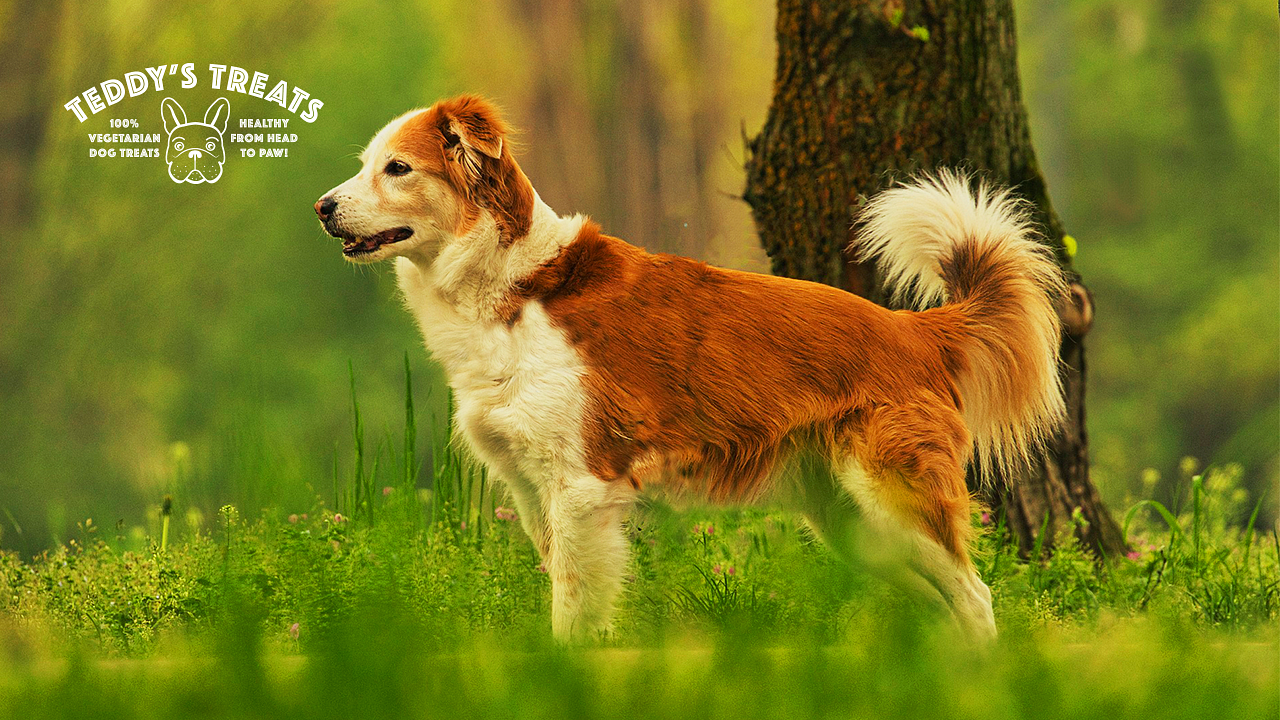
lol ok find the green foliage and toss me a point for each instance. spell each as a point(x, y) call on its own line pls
point(394, 601)
point(724, 612)
point(1155, 123)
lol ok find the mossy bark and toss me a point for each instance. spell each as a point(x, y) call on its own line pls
point(869, 92)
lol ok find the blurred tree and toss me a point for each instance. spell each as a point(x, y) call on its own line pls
point(1156, 124)
point(25, 111)
point(631, 104)
point(869, 91)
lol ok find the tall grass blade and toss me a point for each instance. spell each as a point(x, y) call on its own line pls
point(1197, 490)
point(357, 431)
point(1174, 528)
point(410, 430)
point(1037, 552)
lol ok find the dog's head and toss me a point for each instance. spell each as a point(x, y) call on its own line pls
point(428, 177)
point(195, 152)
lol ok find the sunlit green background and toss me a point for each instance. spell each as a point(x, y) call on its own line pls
point(156, 336)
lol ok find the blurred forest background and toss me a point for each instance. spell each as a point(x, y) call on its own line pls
point(157, 337)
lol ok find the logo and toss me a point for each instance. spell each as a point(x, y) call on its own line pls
point(195, 151)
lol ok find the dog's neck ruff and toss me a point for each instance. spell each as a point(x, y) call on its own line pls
point(475, 274)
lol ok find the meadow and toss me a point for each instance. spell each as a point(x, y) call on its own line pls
point(197, 520)
point(407, 592)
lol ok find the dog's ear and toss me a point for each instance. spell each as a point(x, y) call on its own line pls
point(218, 114)
point(173, 114)
point(481, 166)
point(472, 130)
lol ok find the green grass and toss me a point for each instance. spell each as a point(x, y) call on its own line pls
point(379, 599)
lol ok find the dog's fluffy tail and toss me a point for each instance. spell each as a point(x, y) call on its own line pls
point(941, 238)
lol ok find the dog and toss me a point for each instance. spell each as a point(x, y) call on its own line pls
point(586, 369)
point(195, 151)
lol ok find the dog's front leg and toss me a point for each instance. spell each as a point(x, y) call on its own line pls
point(588, 554)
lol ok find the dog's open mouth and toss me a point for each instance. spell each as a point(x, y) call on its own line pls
point(352, 246)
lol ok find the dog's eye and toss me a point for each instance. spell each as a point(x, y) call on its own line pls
point(177, 145)
point(395, 167)
point(210, 146)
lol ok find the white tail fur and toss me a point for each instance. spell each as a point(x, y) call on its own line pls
point(941, 238)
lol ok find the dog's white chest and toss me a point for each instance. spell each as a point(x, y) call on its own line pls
point(518, 389)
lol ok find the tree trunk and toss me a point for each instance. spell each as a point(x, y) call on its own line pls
point(869, 92)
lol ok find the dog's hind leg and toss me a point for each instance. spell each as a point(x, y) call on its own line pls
point(587, 553)
point(894, 501)
point(838, 520)
point(905, 472)
point(910, 553)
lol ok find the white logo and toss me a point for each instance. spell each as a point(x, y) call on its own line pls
point(195, 152)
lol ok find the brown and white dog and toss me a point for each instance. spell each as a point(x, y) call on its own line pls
point(586, 369)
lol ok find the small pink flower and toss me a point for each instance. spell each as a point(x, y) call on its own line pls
point(293, 631)
point(731, 571)
point(304, 516)
point(293, 519)
point(505, 513)
point(387, 490)
point(697, 528)
point(463, 525)
point(716, 569)
point(337, 517)
point(711, 529)
point(985, 518)
point(1133, 555)
point(542, 567)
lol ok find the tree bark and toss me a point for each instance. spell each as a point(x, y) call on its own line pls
point(868, 92)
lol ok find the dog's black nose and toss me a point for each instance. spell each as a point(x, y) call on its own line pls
point(325, 207)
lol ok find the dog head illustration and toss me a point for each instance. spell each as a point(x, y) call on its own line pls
point(195, 152)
